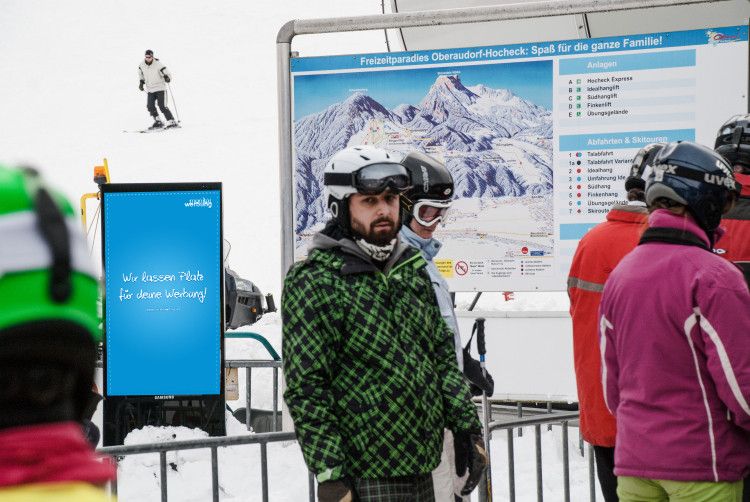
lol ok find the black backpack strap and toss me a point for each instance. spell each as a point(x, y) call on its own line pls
point(672, 236)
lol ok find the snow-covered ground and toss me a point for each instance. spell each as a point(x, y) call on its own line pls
point(70, 88)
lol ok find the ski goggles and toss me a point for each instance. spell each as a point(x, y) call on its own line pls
point(429, 212)
point(373, 179)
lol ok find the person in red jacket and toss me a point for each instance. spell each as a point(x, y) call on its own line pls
point(598, 252)
point(733, 143)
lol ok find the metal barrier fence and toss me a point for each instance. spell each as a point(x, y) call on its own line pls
point(552, 418)
point(249, 364)
point(214, 444)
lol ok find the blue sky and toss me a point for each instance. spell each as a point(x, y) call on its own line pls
point(313, 93)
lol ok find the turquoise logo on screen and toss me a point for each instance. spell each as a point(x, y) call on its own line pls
point(162, 263)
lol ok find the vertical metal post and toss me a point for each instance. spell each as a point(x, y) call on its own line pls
point(538, 442)
point(511, 468)
point(264, 470)
point(163, 475)
point(248, 383)
point(311, 486)
point(283, 79)
point(549, 410)
point(113, 484)
point(592, 477)
point(519, 405)
point(275, 398)
point(566, 462)
point(486, 485)
point(580, 442)
point(215, 473)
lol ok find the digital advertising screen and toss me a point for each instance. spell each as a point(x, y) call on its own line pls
point(163, 289)
point(539, 137)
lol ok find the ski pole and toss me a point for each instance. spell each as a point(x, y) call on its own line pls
point(174, 101)
point(486, 412)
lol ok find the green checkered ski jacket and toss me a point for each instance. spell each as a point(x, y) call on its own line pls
point(370, 366)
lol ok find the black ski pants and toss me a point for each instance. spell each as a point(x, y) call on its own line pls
point(605, 470)
point(158, 97)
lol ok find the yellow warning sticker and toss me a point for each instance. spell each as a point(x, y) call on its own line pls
point(445, 267)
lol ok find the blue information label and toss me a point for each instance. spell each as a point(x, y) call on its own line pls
point(627, 62)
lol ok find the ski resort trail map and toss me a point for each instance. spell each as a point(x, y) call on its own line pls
point(496, 143)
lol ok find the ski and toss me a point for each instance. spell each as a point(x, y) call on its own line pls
point(148, 131)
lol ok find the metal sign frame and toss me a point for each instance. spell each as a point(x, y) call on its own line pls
point(286, 34)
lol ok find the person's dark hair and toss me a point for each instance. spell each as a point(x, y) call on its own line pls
point(636, 194)
point(663, 203)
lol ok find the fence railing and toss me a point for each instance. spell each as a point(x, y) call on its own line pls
point(552, 418)
point(213, 444)
point(249, 364)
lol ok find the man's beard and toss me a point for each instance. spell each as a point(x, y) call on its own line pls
point(377, 237)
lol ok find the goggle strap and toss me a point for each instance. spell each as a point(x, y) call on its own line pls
point(338, 179)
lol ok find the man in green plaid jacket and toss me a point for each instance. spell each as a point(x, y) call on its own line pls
point(370, 365)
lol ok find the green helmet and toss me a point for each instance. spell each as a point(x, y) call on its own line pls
point(46, 276)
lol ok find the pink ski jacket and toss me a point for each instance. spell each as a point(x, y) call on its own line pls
point(675, 343)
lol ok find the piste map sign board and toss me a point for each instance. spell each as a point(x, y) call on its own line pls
point(162, 248)
point(538, 137)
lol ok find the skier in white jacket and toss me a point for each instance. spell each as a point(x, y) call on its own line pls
point(155, 76)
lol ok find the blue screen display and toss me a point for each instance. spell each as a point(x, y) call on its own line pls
point(162, 264)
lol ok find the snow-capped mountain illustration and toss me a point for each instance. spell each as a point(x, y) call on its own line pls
point(495, 143)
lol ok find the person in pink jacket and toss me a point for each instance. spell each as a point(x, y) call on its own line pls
point(674, 325)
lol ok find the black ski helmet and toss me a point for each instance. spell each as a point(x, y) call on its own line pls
point(695, 176)
point(430, 180)
point(149, 52)
point(644, 158)
point(733, 141)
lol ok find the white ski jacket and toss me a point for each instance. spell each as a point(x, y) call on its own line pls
point(153, 75)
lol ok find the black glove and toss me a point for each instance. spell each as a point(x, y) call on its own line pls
point(471, 459)
point(339, 490)
point(478, 382)
point(140, 86)
point(166, 78)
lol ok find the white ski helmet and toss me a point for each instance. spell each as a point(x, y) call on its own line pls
point(361, 169)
